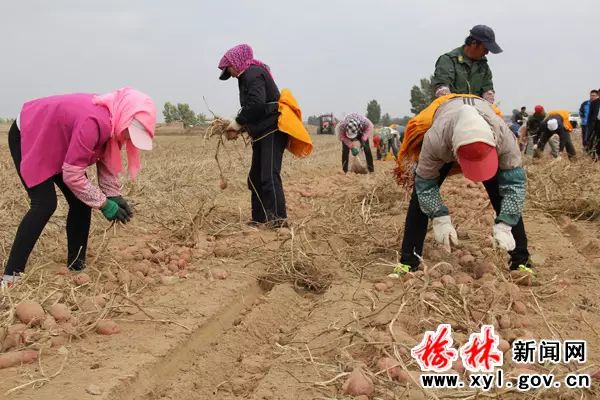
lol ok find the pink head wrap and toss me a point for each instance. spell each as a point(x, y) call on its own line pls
point(124, 104)
point(241, 57)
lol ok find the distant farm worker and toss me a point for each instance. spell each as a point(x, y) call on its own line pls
point(556, 123)
point(378, 145)
point(534, 125)
point(354, 132)
point(465, 70)
point(461, 133)
point(274, 122)
point(593, 128)
point(53, 141)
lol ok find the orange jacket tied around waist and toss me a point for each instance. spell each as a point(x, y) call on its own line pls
point(408, 156)
point(290, 122)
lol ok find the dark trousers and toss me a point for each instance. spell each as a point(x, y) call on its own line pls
point(584, 135)
point(264, 179)
point(368, 156)
point(415, 227)
point(593, 140)
point(43, 204)
point(565, 141)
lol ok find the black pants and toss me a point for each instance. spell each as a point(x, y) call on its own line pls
point(368, 156)
point(415, 227)
point(43, 204)
point(264, 180)
point(565, 141)
point(584, 135)
point(593, 140)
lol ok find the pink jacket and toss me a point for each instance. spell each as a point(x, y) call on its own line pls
point(366, 125)
point(67, 134)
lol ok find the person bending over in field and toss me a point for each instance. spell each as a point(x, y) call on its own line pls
point(555, 123)
point(461, 132)
point(274, 122)
point(53, 141)
point(354, 132)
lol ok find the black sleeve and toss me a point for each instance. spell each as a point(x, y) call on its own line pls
point(255, 105)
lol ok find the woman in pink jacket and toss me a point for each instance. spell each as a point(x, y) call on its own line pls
point(53, 141)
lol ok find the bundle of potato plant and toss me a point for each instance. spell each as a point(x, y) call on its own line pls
point(218, 128)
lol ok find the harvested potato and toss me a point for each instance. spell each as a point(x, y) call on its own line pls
point(358, 384)
point(391, 366)
point(15, 358)
point(60, 312)
point(107, 327)
point(81, 279)
point(30, 313)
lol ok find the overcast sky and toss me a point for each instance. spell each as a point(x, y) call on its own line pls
point(334, 55)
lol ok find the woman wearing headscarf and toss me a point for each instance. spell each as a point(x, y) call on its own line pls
point(53, 141)
point(259, 116)
point(354, 132)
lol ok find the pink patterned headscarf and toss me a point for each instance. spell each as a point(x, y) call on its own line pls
point(124, 104)
point(241, 57)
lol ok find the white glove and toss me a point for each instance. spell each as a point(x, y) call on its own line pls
point(442, 91)
point(234, 126)
point(503, 236)
point(444, 232)
point(490, 96)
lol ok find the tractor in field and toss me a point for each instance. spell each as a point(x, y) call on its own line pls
point(327, 123)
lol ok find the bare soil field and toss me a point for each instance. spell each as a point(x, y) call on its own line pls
point(204, 306)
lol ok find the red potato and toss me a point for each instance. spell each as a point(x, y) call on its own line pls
point(146, 254)
point(380, 286)
point(447, 280)
point(15, 358)
point(463, 279)
point(430, 297)
point(358, 384)
point(149, 280)
point(49, 323)
point(437, 285)
point(30, 313)
point(173, 266)
point(411, 377)
point(519, 307)
point(466, 260)
point(13, 337)
point(182, 263)
point(483, 268)
point(81, 279)
point(458, 366)
point(391, 367)
point(503, 346)
point(521, 278)
point(220, 274)
point(124, 277)
point(107, 327)
point(62, 271)
point(60, 312)
point(504, 322)
point(223, 183)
